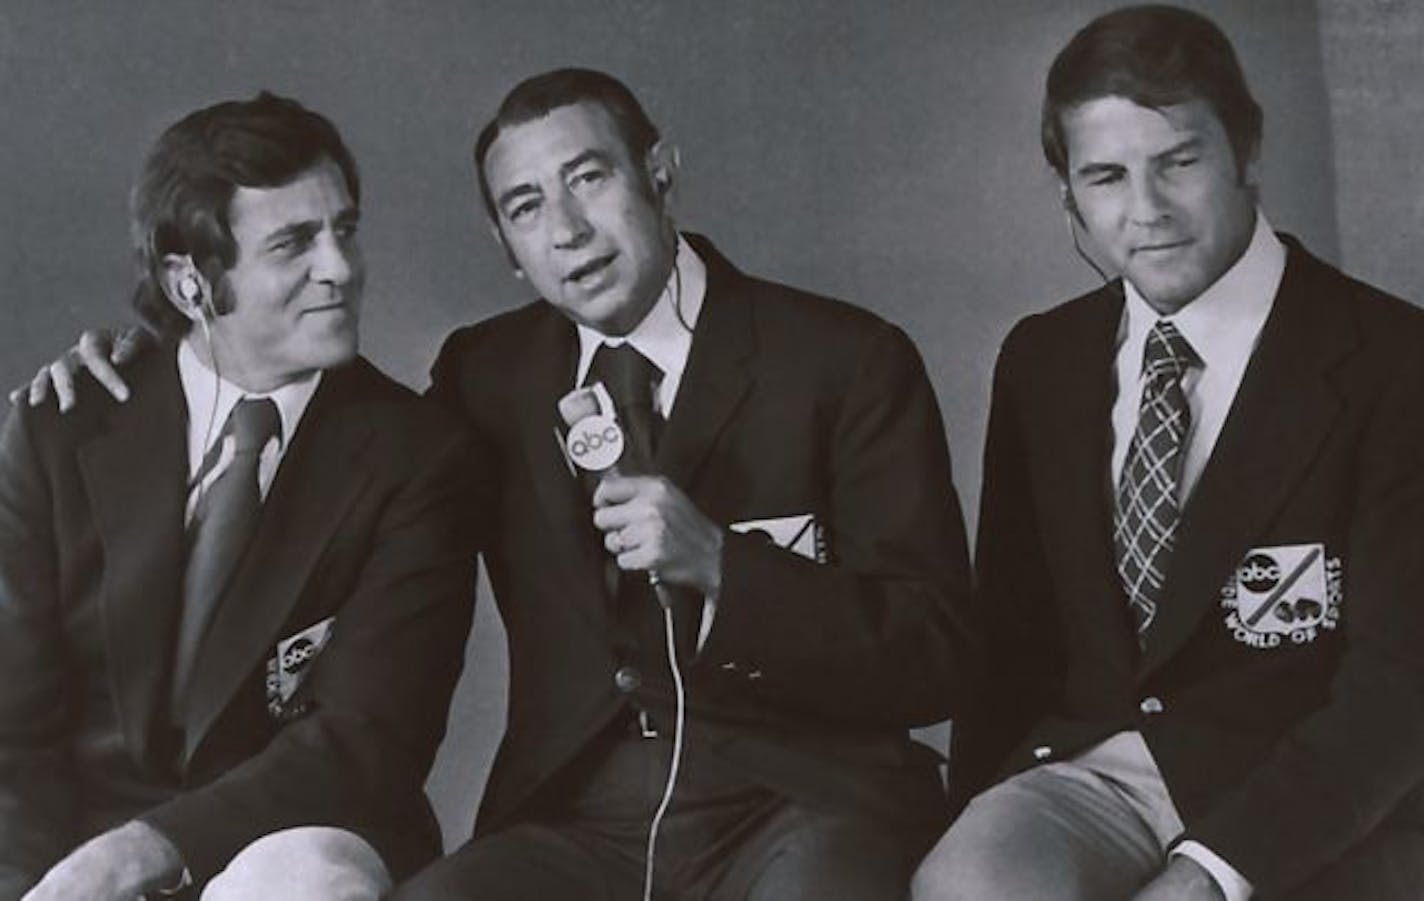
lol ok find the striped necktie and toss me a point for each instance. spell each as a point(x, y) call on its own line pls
point(222, 526)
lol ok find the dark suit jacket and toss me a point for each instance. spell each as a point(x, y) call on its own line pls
point(790, 404)
point(1279, 758)
point(361, 523)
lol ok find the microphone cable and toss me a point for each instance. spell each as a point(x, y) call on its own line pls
point(1070, 213)
point(200, 478)
point(679, 728)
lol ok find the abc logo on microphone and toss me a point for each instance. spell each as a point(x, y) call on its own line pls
point(595, 442)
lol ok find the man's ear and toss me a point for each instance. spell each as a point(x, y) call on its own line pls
point(1065, 196)
point(1249, 170)
point(184, 285)
point(663, 161)
point(498, 234)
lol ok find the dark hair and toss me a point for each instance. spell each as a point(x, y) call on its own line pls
point(1155, 56)
point(536, 97)
point(180, 203)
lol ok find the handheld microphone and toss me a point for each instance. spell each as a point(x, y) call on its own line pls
point(594, 446)
point(593, 439)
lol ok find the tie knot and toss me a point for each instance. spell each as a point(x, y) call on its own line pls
point(252, 423)
point(629, 376)
point(1167, 352)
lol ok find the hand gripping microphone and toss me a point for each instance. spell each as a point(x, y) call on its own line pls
point(594, 446)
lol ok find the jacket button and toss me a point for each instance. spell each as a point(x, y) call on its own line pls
point(1151, 705)
point(628, 679)
point(1042, 752)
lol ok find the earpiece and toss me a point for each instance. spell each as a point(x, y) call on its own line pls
point(211, 306)
point(662, 161)
point(189, 289)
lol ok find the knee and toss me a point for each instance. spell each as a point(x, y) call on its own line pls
point(305, 862)
point(933, 879)
point(843, 859)
point(950, 872)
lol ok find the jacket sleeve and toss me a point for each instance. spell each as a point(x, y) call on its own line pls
point(37, 812)
point(1013, 602)
point(880, 636)
point(375, 702)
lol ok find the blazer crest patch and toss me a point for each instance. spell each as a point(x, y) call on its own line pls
point(288, 666)
point(1284, 595)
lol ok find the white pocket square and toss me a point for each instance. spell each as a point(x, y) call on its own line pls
point(801, 534)
point(295, 653)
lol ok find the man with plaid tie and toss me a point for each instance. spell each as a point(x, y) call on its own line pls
point(232, 609)
point(1199, 545)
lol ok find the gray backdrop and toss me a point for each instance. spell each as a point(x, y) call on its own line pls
point(884, 152)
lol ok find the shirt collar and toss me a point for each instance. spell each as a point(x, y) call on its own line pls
point(664, 335)
point(1223, 322)
point(211, 398)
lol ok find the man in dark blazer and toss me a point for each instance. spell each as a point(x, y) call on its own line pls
point(320, 649)
point(798, 496)
point(1199, 548)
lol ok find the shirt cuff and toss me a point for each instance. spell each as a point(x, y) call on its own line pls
point(1233, 885)
point(184, 881)
point(709, 611)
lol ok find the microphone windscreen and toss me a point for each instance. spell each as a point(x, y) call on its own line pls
point(577, 404)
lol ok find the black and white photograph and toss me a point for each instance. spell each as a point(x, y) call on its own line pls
point(766, 450)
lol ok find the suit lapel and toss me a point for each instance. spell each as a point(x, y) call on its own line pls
point(717, 377)
point(1075, 411)
point(1283, 410)
point(135, 476)
point(320, 476)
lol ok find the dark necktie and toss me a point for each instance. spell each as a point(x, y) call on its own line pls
point(222, 525)
point(1148, 499)
point(631, 380)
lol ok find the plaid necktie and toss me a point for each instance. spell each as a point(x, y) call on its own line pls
point(222, 526)
point(1148, 501)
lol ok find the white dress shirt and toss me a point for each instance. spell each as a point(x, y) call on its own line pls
point(664, 337)
point(1222, 325)
point(210, 400)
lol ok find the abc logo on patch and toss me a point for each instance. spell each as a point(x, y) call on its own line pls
point(595, 442)
point(1259, 573)
point(297, 655)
